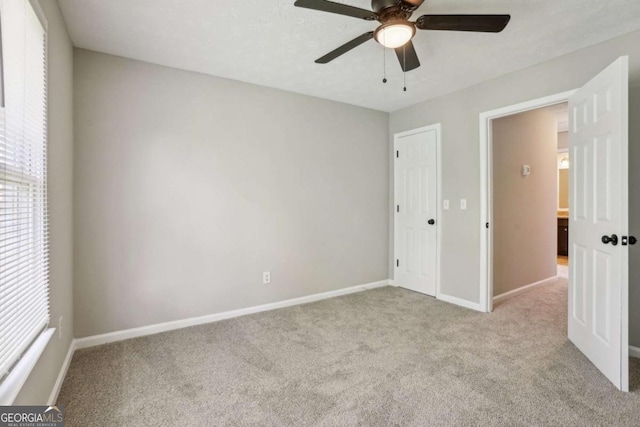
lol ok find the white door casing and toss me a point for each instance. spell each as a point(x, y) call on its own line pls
point(416, 205)
point(598, 280)
point(486, 187)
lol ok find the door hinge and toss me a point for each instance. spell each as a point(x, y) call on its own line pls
point(398, 208)
point(397, 154)
point(487, 225)
point(397, 263)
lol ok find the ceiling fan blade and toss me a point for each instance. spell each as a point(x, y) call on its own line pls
point(408, 57)
point(345, 48)
point(340, 9)
point(478, 23)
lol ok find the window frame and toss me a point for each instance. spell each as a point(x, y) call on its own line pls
point(12, 383)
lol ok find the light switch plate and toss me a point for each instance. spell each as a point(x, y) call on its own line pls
point(463, 204)
point(445, 205)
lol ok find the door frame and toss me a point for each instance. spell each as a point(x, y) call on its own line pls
point(562, 150)
point(438, 128)
point(486, 186)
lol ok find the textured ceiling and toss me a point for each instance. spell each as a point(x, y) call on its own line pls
point(272, 43)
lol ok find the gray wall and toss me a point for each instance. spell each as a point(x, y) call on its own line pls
point(187, 187)
point(458, 112)
point(60, 166)
point(524, 207)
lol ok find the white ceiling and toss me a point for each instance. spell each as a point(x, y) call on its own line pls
point(272, 43)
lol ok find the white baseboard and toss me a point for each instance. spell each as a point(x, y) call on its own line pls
point(96, 340)
point(53, 397)
point(507, 295)
point(634, 352)
point(459, 301)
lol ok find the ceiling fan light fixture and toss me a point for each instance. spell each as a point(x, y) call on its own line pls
point(395, 34)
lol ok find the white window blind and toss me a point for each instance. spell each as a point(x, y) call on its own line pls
point(24, 265)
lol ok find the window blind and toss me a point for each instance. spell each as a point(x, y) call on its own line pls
point(24, 265)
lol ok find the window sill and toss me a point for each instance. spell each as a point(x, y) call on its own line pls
point(12, 385)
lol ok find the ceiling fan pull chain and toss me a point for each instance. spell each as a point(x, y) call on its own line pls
point(384, 66)
point(404, 66)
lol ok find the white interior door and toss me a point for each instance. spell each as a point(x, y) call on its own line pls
point(598, 279)
point(416, 208)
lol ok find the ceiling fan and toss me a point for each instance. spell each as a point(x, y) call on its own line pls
point(396, 31)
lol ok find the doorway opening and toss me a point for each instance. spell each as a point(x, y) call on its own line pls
point(522, 171)
point(530, 203)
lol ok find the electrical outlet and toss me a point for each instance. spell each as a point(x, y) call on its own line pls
point(266, 277)
point(445, 205)
point(60, 327)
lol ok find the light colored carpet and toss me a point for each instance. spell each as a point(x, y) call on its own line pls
point(563, 271)
point(382, 357)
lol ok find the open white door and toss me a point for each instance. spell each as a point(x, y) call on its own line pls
point(416, 209)
point(598, 251)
